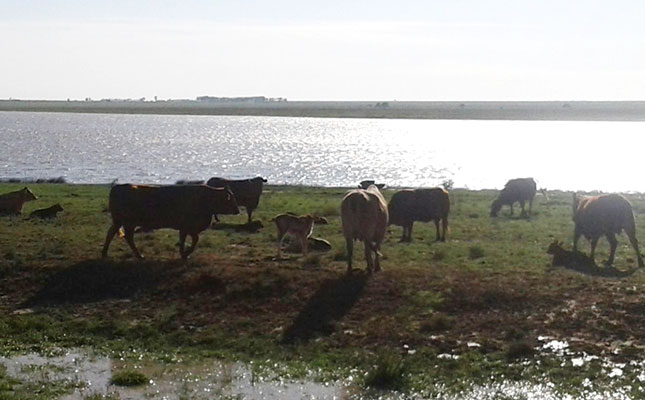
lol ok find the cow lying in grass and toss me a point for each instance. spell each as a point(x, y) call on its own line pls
point(11, 203)
point(607, 215)
point(364, 217)
point(46, 213)
point(299, 226)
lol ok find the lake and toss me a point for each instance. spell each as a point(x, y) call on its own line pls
point(98, 148)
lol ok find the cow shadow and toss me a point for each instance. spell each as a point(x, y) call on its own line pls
point(332, 301)
point(249, 227)
point(580, 262)
point(96, 280)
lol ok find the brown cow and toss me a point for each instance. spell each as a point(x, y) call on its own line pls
point(607, 214)
point(425, 205)
point(11, 203)
point(364, 217)
point(299, 226)
point(187, 208)
point(247, 191)
point(516, 190)
point(45, 213)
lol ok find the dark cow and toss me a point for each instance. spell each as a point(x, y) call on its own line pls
point(425, 205)
point(520, 190)
point(247, 191)
point(45, 213)
point(607, 215)
point(364, 217)
point(12, 202)
point(187, 208)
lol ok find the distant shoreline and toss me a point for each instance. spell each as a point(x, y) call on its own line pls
point(464, 110)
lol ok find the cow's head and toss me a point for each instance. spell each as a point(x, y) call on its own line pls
point(495, 207)
point(576, 203)
point(229, 205)
point(28, 195)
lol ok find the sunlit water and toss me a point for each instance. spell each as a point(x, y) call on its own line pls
point(98, 148)
point(89, 374)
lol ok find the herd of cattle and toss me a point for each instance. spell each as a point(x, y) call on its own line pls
point(365, 214)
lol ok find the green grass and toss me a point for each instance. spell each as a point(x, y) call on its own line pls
point(129, 378)
point(490, 283)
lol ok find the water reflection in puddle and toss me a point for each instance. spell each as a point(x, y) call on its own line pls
point(90, 374)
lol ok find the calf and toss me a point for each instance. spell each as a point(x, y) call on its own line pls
point(11, 203)
point(45, 213)
point(364, 217)
point(607, 214)
point(299, 226)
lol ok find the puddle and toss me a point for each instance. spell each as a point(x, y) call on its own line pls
point(90, 374)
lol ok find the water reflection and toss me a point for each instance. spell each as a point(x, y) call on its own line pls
point(96, 148)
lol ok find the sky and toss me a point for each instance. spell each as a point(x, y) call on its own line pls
point(333, 50)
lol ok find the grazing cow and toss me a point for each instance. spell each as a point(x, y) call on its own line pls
point(45, 213)
point(299, 226)
point(364, 217)
point(607, 214)
point(187, 208)
point(407, 206)
point(11, 203)
point(516, 190)
point(247, 191)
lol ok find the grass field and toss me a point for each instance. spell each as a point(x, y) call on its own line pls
point(439, 317)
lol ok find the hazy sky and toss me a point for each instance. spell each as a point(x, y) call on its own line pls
point(331, 50)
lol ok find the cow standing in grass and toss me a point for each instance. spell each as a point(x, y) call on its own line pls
point(364, 217)
point(607, 214)
point(187, 208)
point(519, 190)
point(407, 206)
point(247, 191)
point(11, 203)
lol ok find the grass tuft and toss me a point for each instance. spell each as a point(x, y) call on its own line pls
point(475, 252)
point(129, 378)
point(389, 373)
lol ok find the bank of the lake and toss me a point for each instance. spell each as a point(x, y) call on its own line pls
point(483, 307)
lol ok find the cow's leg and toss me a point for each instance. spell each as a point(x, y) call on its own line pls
point(511, 208)
point(576, 238)
point(182, 243)
point(631, 233)
point(280, 238)
point(377, 264)
point(349, 242)
point(613, 243)
point(304, 244)
point(129, 238)
point(522, 207)
point(410, 231)
point(108, 238)
point(444, 229)
point(249, 212)
point(436, 224)
point(531, 206)
point(368, 255)
point(594, 242)
point(194, 238)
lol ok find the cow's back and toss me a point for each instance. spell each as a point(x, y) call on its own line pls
point(247, 191)
point(418, 205)
point(152, 207)
point(364, 215)
point(605, 213)
point(520, 189)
